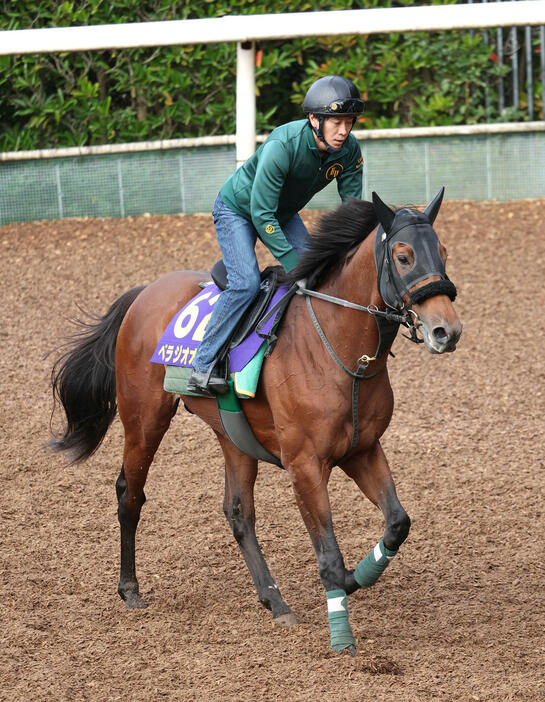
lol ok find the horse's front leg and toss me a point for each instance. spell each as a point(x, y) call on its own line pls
point(310, 488)
point(372, 474)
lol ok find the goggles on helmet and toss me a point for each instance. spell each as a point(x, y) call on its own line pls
point(344, 107)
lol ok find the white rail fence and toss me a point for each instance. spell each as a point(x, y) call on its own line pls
point(246, 29)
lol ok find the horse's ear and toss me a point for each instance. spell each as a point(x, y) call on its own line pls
point(384, 213)
point(433, 208)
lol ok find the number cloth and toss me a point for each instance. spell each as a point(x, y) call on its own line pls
point(181, 338)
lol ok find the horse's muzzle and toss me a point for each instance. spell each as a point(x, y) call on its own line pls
point(441, 337)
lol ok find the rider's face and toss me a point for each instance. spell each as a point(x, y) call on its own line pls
point(335, 130)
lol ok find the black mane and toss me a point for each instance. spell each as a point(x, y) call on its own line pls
point(337, 233)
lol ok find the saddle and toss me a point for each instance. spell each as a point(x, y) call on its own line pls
point(271, 278)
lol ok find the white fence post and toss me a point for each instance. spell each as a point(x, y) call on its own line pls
point(245, 135)
point(182, 182)
point(59, 190)
point(120, 188)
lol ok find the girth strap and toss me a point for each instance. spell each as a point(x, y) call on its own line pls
point(239, 431)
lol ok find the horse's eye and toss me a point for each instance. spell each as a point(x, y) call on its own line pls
point(403, 259)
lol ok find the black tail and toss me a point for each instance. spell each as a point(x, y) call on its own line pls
point(83, 381)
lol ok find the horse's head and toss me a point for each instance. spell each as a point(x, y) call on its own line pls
point(410, 262)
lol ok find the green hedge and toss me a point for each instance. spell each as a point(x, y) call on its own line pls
point(129, 95)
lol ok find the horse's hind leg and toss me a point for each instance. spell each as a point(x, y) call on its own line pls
point(239, 509)
point(145, 424)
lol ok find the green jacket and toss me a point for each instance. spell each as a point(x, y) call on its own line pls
point(282, 176)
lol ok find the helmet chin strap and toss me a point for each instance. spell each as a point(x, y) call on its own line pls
point(330, 149)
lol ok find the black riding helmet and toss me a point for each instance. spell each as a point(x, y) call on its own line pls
point(332, 96)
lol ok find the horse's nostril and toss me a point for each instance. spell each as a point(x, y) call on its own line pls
point(440, 334)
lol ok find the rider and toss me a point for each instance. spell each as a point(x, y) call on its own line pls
point(262, 200)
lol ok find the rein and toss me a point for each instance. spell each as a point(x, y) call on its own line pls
point(372, 309)
point(405, 319)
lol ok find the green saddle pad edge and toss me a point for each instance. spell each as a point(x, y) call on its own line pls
point(244, 381)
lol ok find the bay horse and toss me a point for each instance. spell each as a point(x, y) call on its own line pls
point(324, 397)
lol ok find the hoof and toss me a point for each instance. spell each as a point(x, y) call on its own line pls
point(348, 651)
point(134, 601)
point(286, 620)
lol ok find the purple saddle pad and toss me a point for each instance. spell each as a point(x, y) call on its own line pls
point(180, 340)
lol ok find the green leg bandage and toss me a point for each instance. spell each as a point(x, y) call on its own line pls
point(369, 570)
point(337, 611)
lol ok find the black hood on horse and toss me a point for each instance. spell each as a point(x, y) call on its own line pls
point(415, 229)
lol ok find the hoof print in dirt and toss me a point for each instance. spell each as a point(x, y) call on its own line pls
point(381, 666)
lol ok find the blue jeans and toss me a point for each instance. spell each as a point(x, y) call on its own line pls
point(237, 238)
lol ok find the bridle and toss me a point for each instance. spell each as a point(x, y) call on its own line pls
point(392, 289)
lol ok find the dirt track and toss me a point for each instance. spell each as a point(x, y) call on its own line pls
point(460, 613)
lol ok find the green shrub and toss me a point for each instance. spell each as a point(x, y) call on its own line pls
point(68, 99)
